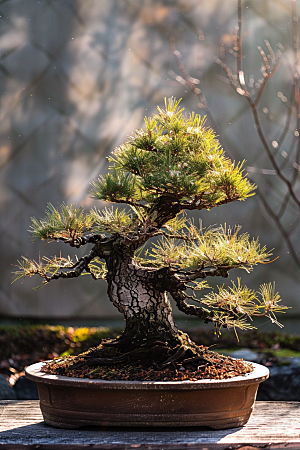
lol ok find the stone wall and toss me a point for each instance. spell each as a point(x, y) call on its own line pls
point(76, 77)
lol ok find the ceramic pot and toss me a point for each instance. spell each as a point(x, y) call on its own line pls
point(77, 402)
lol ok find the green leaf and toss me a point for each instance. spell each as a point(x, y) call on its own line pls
point(68, 223)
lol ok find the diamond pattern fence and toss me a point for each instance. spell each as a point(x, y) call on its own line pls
point(76, 77)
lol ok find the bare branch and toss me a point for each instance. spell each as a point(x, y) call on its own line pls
point(267, 74)
point(186, 79)
point(239, 38)
point(281, 229)
point(261, 133)
point(88, 239)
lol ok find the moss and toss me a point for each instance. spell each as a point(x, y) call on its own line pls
point(286, 353)
point(42, 340)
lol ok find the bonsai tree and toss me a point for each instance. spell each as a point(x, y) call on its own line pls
point(174, 165)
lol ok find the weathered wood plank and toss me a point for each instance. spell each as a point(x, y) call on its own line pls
point(273, 425)
point(153, 447)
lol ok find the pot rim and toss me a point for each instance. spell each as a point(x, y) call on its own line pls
point(260, 373)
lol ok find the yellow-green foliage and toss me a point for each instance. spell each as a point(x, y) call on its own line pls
point(45, 268)
point(98, 268)
point(175, 154)
point(48, 267)
point(69, 222)
point(188, 246)
point(110, 220)
point(234, 305)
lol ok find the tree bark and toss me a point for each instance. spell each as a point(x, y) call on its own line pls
point(147, 310)
point(150, 337)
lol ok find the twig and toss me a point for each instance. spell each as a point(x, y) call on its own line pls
point(239, 38)
point(193, 83)
point(281, 229)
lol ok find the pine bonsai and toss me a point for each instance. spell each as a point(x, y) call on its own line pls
point(174, 165)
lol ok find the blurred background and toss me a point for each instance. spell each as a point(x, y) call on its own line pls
point(78, 76)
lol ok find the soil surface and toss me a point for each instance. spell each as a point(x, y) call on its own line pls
point(212, 365)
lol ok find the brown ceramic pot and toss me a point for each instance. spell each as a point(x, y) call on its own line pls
point(76, 402)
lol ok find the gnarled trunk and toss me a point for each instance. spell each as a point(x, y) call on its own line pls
point(151, 337)
point(147, 310)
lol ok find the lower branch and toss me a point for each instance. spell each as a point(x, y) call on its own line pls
point(181, 297)
point(81, 265)
point(191, 275)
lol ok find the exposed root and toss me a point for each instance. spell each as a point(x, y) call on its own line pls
point(131, 357)
point(177, 359)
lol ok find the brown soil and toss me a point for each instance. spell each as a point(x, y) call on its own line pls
point(218, 367)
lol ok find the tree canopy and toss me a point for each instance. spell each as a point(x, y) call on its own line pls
point(174, 164)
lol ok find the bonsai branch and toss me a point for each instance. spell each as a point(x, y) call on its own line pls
point(57, 267)
point(200, 203)
point(81, 265)
point(191, 275)
point(87, 239)
point(181, 298)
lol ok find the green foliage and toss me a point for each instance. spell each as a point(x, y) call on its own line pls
point(111, 220)
point(174, 155)
point(69, 223)
point(116, 187)
point(234, 305)
point(219, 247)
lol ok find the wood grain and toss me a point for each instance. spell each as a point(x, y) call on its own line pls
point(273, 425)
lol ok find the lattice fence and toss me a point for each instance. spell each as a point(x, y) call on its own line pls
point(76, 77)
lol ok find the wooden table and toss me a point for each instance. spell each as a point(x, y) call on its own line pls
point(273, 425)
